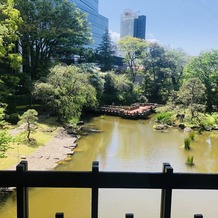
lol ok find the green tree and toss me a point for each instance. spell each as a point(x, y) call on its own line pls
point(118, 89)
point(51, 29)
point(105, 53)
point(9, 23)
point(29, 118)
point(5, 139)
point(133, 50)
point(163, 69)
point(66, 91)
point(205, 68)
point(191, 96)
point(95, 78)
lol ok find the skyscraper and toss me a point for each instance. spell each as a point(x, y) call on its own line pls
point(140, 27)
point(132, 25)
point(98, 23)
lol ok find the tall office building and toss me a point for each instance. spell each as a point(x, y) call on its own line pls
point(132, 25)
point(98, 23)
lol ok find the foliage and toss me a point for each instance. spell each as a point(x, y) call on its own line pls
point(95, 78)
point(164, 117)
point(192, 135)
point(190, 161)
point(51, 29)
point(205, 68)
point(187, 142)
point(5, 139)
point(9, 23)
point(163, 69)
point(29, 118)
point(105, 53)
point(191, 95)
point(133, 50)
point(66, 91)
point(207, 121)
point(14, 118)
point(118, 89)
point(2, 115)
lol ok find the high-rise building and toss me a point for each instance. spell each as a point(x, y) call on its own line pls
point(98, 23)
point(132, 25)
point(139, 27)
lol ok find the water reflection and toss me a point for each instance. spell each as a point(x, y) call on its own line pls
point(128, 145)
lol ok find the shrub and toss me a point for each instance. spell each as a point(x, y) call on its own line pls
point(187, 142)
point(14, 118)
point(192, 136)
point(190, 160)
point(164, 117)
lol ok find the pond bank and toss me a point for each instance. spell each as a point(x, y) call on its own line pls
point(47, 157)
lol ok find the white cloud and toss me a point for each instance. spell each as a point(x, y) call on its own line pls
point(150, 38)
point(114, 36)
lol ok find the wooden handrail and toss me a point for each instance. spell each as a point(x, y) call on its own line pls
point(166, 180)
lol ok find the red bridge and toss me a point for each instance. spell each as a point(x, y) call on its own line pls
point(135, 111)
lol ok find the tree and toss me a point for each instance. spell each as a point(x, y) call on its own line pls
point(95, 77)
point(118, 89)
point(133, 50)
point(29, 118)
point(205, 68)
point(163, 69)
point(105, 53)
point(51, 29)
point(191, 96)
point(66, 91)
point(5, 139)
point(9, 23)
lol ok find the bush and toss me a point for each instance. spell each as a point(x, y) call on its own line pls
point(14, 118)
point(164, 117)
point(190, 160)
point(192, 136)
point(187, 142)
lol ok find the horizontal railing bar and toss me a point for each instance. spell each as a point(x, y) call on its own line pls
point(108, 180)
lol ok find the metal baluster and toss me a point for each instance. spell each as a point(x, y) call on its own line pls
point(95, 170)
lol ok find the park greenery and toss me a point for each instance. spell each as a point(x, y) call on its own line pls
point(38, 42)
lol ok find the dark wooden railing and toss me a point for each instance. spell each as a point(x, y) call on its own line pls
point(166, 180)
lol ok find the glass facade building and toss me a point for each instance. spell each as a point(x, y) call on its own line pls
point(140, 27)
point(98, 23)
point(132, 25)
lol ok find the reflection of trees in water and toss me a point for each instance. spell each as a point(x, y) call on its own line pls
point(5, 194)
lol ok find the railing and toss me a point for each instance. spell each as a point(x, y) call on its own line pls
point(166, 180)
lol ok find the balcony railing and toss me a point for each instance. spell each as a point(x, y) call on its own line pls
point(166, 180)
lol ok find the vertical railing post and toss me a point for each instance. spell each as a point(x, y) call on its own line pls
point(198, 216)
point(59, 215)
point(129, 215)
point(22, 192)
point(166, 195)
point(95, 170)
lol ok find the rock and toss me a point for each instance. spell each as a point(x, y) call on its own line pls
point(187, 129)
point(161, 127)
point(181, 126)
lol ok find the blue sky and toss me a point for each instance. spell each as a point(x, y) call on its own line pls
point(188, 24)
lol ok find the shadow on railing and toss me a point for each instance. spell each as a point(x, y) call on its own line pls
point(166, 180)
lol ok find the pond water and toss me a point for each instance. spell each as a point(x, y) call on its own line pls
point(129, 145)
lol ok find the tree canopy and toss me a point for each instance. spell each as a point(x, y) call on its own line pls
point(51, 29)
point(9, 24)
point(66, 91)
point(105, 53)
point(133, 50)
point(205, 68)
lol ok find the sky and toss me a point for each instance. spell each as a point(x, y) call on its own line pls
point(190, 25)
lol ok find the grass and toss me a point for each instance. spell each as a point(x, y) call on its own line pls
point(46, 130)
point(187, 142)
